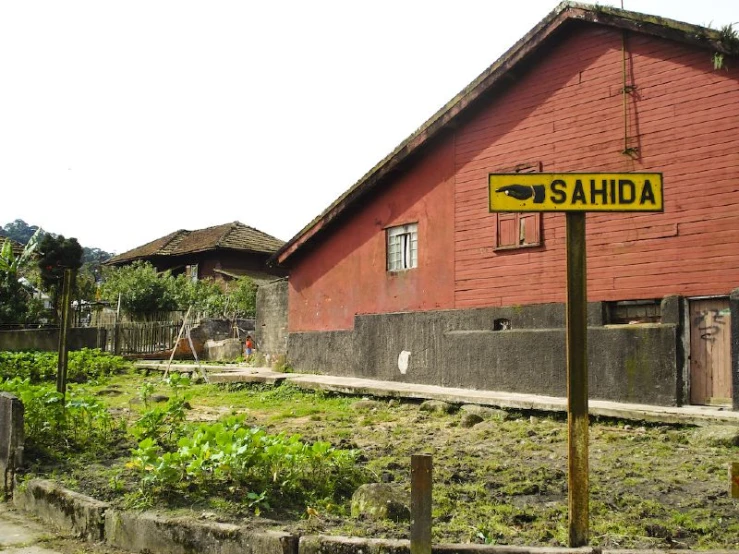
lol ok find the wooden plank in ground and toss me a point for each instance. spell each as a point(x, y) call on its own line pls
point(268, 377)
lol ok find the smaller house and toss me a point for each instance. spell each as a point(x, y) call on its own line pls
point(16, 247)
point(222, 253)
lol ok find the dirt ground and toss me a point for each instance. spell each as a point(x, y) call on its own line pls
point(500, 477)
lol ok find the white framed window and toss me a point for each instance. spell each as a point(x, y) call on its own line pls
point(402, 247)
point(192, 272)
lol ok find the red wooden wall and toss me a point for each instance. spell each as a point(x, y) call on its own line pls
point(567, 114)
point(346, 273)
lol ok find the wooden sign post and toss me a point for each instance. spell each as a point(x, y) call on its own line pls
point(575, 194)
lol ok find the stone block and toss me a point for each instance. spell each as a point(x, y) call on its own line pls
point(223, 350)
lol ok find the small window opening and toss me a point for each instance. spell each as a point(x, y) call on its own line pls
point(632, 312)
point(501, 324)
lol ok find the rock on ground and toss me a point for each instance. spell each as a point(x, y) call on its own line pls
point(437, 406)
point(380, 501)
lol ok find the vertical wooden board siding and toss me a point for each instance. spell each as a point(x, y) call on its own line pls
point(567, 113)
point(710, 352)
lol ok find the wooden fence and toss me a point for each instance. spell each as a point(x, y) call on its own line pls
point(141, 338)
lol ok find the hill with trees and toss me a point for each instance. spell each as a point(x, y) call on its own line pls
point(21, 232)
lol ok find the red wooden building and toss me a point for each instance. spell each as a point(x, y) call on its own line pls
point(410, 259)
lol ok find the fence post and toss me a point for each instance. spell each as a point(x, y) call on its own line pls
point(421, 487)
point(61, 372)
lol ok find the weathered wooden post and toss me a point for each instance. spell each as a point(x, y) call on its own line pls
point(117, 329)
point(577, 380)
point(61, 371)
point(421, 487)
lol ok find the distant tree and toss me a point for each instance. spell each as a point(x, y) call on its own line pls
point(19, 231)
point(57, 254)
point(95, 256)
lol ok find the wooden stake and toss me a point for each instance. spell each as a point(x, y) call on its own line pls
point(61, 369)
point(179, 336)
point(421, 486)
point(577, 380)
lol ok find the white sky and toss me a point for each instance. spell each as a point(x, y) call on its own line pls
point(122, 121)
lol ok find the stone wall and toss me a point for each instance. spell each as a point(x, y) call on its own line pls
point(513, 349)
point(47, 340)
point(271, 322)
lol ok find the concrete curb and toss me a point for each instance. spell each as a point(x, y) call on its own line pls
point(323, 544)
point(153, 533)
point(686, 415)
point(94, 520)
point(72, 512)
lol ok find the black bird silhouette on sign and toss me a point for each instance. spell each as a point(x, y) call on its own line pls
point(524, 192)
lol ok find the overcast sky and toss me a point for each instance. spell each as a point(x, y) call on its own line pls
point(123, 121)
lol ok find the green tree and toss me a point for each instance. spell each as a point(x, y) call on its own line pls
point(19, 231)
point(14, 298)
point(243, 297)
point(203, 295)
point(142, 290)
point(56, 255)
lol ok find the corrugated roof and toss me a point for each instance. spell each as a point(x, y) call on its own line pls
point(16, 246)
point(230, 236)
point(520, 53)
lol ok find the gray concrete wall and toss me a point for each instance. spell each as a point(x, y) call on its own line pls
point(12, 439)
point(47, 340)
point(329, 352)
point(271, 321)
point(460, 348)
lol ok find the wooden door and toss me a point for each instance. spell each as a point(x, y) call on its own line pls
point(710, 351)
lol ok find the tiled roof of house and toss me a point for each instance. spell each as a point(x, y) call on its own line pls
point(230, 236)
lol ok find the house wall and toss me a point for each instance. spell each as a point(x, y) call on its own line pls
point(567, 114)
point(346, 273)
point(209, 261)
point(227, 260)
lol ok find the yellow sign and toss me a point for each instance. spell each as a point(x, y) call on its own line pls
point(576, 192)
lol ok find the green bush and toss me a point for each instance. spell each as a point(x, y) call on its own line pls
point(231, 459)
point(83, 423)
point(83, 365)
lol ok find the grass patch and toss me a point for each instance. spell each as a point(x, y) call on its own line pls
point(499, 482)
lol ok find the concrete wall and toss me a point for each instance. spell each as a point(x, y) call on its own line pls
point(271, 321)
point(48, 339)
point(12, 439)
point(460, 348)
point(329, 352)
